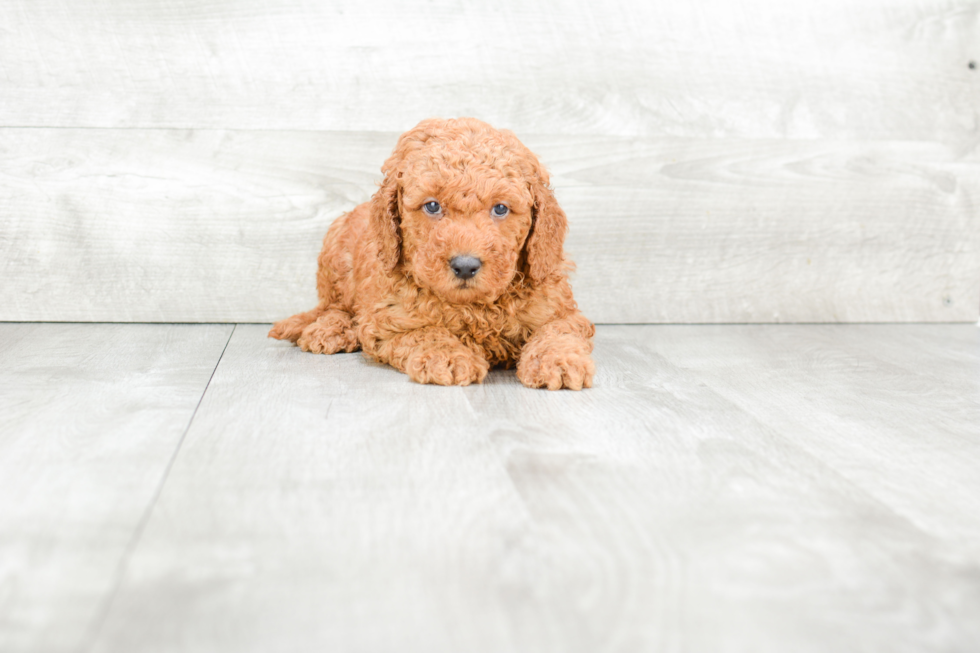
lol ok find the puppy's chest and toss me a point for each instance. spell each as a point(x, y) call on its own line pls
point(495, 329)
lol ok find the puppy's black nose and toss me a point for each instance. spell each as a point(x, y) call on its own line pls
point(465, 267)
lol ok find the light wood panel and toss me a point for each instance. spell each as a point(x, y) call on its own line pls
point(171, 225)
point(908, 390)
point(90, 417)
point(327, 503)
point(879, 69)
point(722, 160)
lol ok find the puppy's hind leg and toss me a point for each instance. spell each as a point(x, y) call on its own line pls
point(292, 327)
point(328, 327)
point(332, 332)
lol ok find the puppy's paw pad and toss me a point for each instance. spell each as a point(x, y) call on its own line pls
point(447, 367)
point(556, 371)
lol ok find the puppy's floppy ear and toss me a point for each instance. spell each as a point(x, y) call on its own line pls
point(386, 220)
point(545, 245)
point(385, 212)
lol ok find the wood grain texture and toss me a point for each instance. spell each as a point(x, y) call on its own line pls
point(908, 391)
point(753, 488)
point(90, 417)
point(171, 225)
point(879, 69)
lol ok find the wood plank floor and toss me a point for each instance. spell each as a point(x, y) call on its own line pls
point(90, 417)
point(722, 488)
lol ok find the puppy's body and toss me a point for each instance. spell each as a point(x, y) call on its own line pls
point(387, 284)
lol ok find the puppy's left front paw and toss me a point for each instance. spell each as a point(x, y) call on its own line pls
point(557, 365)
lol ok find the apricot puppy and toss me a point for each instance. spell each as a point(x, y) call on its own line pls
point(456, 264)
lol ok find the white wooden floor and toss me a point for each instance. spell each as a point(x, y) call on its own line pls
point(722, 488)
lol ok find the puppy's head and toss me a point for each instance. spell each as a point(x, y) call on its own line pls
point(464, 208)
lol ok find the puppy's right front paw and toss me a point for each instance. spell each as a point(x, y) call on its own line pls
point(331, 333)
point(458, 366)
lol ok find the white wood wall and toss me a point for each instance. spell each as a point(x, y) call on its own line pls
point(720, 160)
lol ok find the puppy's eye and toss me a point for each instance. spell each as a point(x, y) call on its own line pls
point(432, 207)
point(499, 210)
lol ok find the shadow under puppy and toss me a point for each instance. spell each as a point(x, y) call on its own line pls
point(456, 264)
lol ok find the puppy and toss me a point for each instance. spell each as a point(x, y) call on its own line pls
point(456, 264)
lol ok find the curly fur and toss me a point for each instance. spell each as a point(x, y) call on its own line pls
point(385, 284)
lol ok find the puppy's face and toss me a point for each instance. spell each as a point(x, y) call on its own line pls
point(466, 211)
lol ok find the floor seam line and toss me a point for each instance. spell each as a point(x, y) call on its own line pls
point(89, 642)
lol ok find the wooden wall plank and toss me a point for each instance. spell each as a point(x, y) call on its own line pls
point(766, 165)
point(692, 500)
point(878, 69)
point(91, 416)
point(219, 225)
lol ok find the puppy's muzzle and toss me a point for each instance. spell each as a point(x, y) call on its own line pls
point(465, 267)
